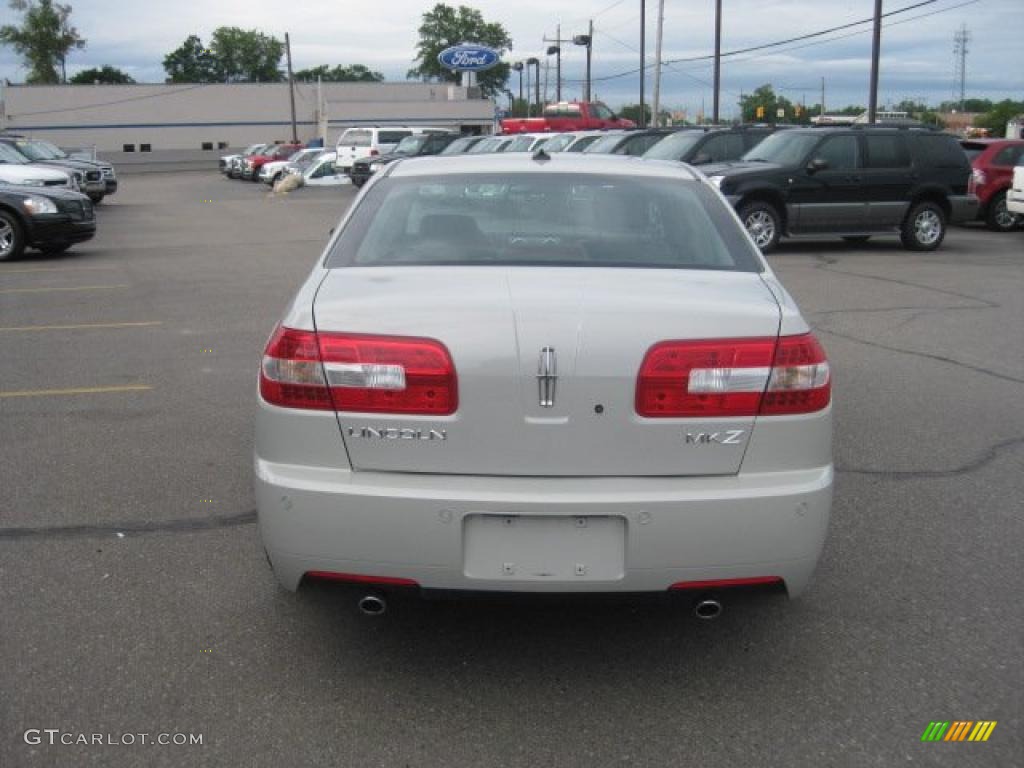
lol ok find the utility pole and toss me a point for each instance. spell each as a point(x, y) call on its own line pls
point(590, 50)
point(960, 40)
point(558, 64)
point(822, 97)
point(556, 50)
point(718, 58)
point(876, 48)
point(291, 86)
point(655, 108)
point(643, 60)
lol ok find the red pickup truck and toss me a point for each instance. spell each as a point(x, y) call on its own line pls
point(567, 116)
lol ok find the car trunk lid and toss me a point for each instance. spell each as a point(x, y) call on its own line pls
point(547, 362)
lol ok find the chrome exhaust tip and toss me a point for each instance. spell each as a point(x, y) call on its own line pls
point(707, 608)
point(372, 605)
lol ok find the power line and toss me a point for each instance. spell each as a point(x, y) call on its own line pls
point(807, 36)
point(692, 59)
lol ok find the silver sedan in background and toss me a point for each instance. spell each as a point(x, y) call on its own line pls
point(557, 374)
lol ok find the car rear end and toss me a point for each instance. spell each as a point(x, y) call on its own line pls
point(524, 384)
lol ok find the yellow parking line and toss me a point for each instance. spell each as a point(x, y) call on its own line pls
point(75, 391)
point(77, 326)
point(51, 269)
point(74, 288)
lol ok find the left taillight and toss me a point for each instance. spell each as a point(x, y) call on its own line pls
point(358, 373)
point(389, 374)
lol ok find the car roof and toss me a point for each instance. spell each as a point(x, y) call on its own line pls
point(557, 162)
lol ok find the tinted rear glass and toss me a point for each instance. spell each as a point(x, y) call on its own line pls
point(886, 151)
point(939, 150)
point(585, 220)
point(676, 146)
point(392, 137)
point(583, 143)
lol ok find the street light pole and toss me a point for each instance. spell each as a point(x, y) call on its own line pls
point(518, 68)
point(876, 46)
point(535, 63)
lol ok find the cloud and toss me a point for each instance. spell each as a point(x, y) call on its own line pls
point(917, 56)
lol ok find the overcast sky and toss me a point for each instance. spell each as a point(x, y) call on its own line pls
point(917, 46)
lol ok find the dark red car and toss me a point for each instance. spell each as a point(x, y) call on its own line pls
point(252, 164)
point(993, 161)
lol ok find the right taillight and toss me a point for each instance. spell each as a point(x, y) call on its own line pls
point(358, 373)
point(733, 377)
point(801, 381)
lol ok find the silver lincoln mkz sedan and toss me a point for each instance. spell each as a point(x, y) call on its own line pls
point(553, 373)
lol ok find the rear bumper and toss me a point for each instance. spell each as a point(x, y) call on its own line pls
point(963, 208)
point(411, 526)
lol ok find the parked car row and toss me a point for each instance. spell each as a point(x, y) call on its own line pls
point(47, 198)
point(855, 182)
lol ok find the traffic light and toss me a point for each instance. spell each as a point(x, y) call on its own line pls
point(760, 112)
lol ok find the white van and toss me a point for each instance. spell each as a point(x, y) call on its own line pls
point(357, 143)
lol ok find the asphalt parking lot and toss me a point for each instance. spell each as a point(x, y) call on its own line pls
point(136, 598)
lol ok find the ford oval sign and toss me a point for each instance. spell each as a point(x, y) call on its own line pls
point(469, 58)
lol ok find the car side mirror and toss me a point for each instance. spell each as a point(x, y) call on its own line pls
point(701, 158)
point(817, 164)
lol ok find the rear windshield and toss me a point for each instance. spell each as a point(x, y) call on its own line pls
point(584, 220)
point(605, 145)
point(392, 137)
point(674, 147)
point(355, 139)
point(583, 143)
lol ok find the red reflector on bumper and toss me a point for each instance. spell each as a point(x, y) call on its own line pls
point(359, 578)
point(722, 583)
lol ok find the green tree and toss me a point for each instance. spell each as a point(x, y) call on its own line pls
point(108, 75)
point(233, 56)
point(191, 62)
point(632, 112)
point(44, 39)
point(445, 26)
point(357, 73)
point(246, 55)
point(763, 104)
point(995, 120)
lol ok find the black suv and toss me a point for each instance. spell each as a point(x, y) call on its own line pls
point(411, 146)
point(854, 182)
point(45, 218)
point(699, 146)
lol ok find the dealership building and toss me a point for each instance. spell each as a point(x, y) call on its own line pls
point(172, 123)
